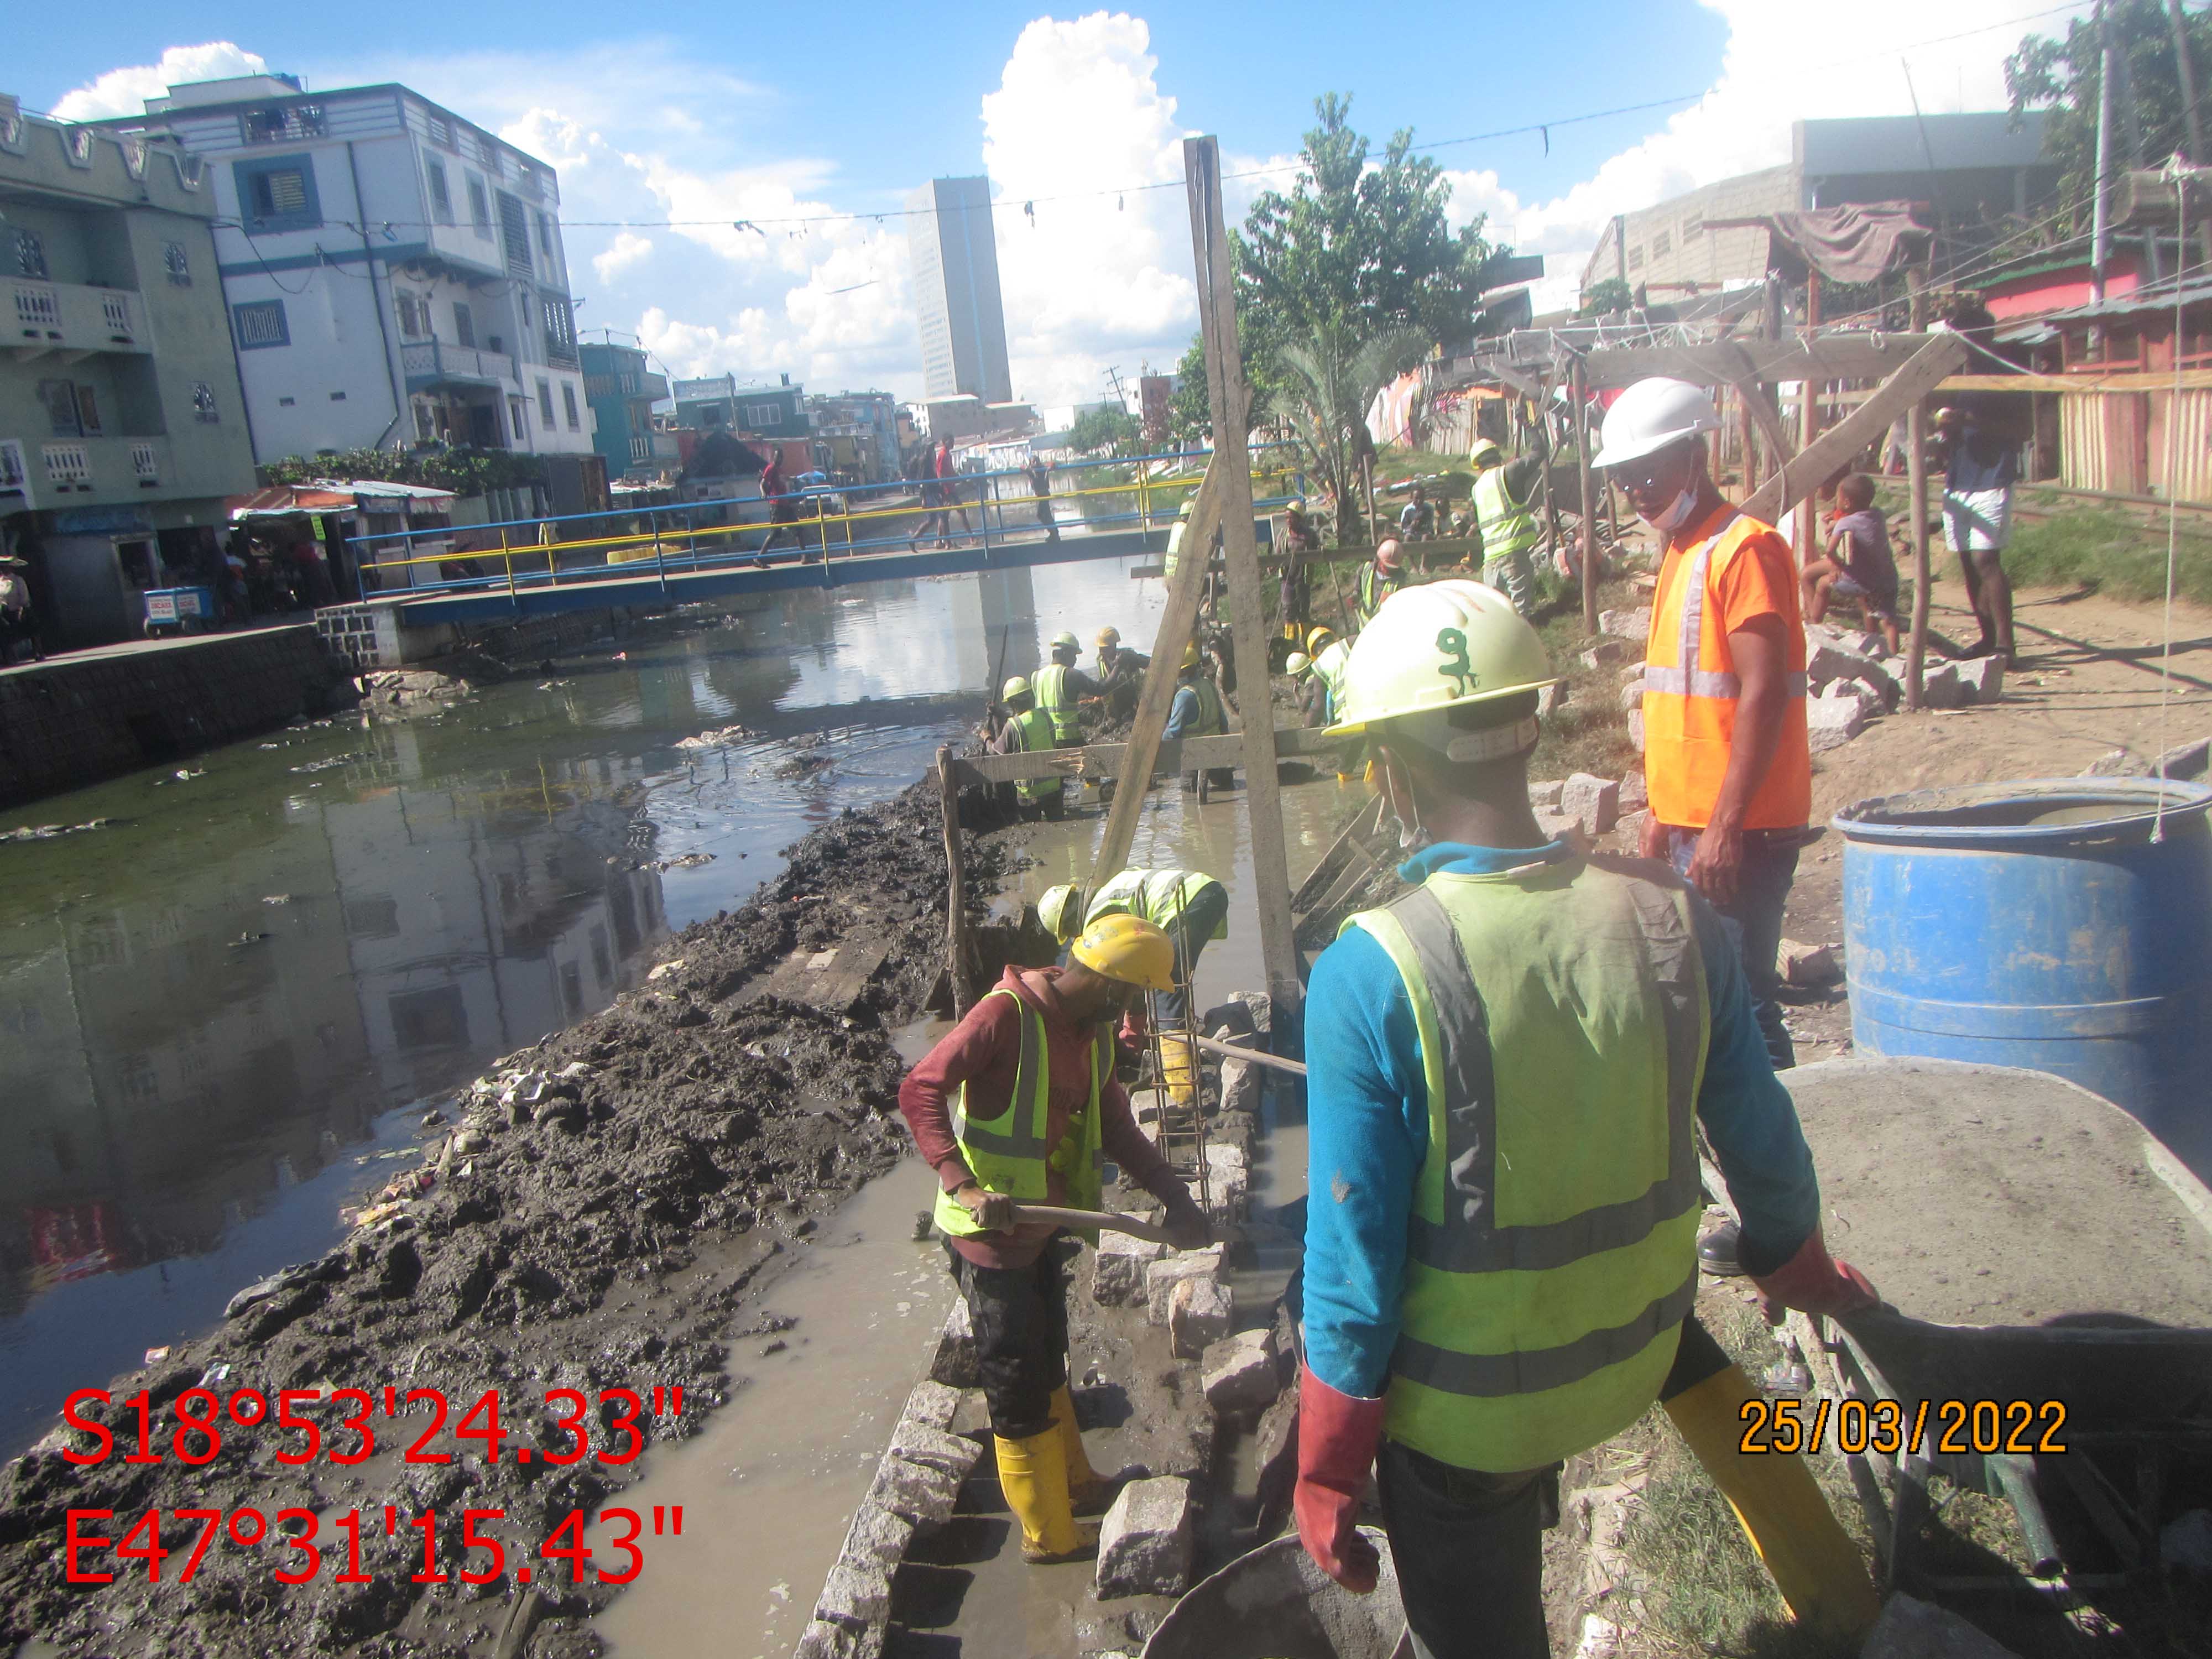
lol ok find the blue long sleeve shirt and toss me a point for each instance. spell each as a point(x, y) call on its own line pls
point(1183, 713)
point(1368, 1128)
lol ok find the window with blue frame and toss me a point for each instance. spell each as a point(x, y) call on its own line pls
point(277, 195)
point(261, 323)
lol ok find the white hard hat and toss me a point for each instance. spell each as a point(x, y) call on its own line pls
point(1297, 664)
point(1438, 647)
point(1652, 414)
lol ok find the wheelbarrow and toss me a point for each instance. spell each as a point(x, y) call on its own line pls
point(1274, 1603)
point(2076, 1422)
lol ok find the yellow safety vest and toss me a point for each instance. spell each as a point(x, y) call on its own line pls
point(1155, 896)
point(1049, 686)
point(1175, 549)
point(1034, 729)
point(1552, 1257)
point(1007, 1154)
point(1330, 665)
point(1509, 527)
point(1374, 588)
point(1213, 719)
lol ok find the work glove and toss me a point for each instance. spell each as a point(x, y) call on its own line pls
point(1814, 1282)
point(1338, 1434)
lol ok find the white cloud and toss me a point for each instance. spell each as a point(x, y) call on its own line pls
point(1781, 65)
point(125, 91)
point(627, 249)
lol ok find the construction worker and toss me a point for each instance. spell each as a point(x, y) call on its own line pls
point(1381, 577)
point(1504, 516)
point(1294, 596)
point(1029, 731)
point(1051, 1029)
point(1197, 712)
point(1059, 685)
point(1121, 674)
point(1175, 532)
point(1725, 754)
point(1508, 1069)
point(1190, 907)
point(1311, 691)
point(1330, 655)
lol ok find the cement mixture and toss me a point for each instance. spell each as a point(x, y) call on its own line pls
point(597, 1228)
point(1976, 1195)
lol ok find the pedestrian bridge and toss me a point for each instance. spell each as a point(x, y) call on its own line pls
point(694, 551)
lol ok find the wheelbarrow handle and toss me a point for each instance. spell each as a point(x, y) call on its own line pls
point(1111, 1221)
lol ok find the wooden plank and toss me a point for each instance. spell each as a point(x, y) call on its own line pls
point(1588, 506)
point(1216, 262)
point(1915, 472)
point(956, 892)
point(1357, 828)
point(1177, 623)
point(1114, 760)
point(1863, 426)
point(1832, 356)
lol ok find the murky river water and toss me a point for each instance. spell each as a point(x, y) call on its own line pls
point(221, 1017)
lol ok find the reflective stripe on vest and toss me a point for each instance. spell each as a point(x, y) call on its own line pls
point(1007, 1153)
point(1508, 526)
point(1533, 1329)
point(1159, 897)
point(1050, 689)
point(1330, 665)
point(1034, 727)
point(1374, 588)
point(1684, 677)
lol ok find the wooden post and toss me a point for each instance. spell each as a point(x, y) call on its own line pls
point(1224, 372)
point(955, 891)
point(1916, 490)
point(1589, 506)
point(1943, 356)
point(1177, 623)
point(1808, 428)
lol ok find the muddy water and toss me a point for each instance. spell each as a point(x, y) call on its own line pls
point(213, 1012)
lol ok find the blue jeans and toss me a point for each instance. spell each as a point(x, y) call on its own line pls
point(1753, 917)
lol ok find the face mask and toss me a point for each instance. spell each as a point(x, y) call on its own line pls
point(1677, 512)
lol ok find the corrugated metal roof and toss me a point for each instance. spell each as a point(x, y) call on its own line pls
point(2149, 298)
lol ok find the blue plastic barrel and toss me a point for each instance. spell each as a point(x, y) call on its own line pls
point(2039, 924)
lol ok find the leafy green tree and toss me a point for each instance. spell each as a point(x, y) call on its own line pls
point(463, 471)
point(2061, 76)
point(1190, 411)
point(1602, 299)
point(1106, 428)
point(1328, 379)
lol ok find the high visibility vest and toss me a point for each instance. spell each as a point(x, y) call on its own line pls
point(1691, 689)
point(1175, 549)
point(1049, 685)
point(1007, 1153)
point(1155, 896)
point(1374, 588)
point(1552, 1253)
point(1330, 665)
point(1034, 730)
point(1509, 527)
point(1212, 720)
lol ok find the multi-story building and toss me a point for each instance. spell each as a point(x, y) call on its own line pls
point(623, 390)
point(395, 275)
point(1972, 171)
point(122, 427)
point(955, 248)
point(749, 409)
point(856, 433)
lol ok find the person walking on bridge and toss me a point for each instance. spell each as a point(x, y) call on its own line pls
point(1020, 1105)
point(1060, 685)
point(1508, 1068)
point(1380, 578)
point(1039, 469)
point(1505, 519)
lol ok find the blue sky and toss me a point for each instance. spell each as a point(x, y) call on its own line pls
point(714, 115)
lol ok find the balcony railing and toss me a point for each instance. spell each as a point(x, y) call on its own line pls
point(439, 363)
point(43, 316)
point(648, 448)
point(91, 470)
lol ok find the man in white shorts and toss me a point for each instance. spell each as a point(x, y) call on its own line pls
point(1979, 470)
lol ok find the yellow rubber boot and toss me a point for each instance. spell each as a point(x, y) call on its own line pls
point(1179, 1069)
point(1033, 1474)
point(1779, 1505)
point(1087, 1494)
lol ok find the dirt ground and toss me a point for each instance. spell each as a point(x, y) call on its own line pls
point(598, 1227)
point(2087, 683)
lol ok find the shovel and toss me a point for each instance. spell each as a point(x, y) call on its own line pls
point(1109, 1219)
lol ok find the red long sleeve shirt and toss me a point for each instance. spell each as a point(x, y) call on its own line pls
point(982, 1052)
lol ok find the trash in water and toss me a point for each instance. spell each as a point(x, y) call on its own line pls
point(155, 1355)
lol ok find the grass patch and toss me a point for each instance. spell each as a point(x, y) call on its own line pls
point(1590, 733)
point(2110, 551)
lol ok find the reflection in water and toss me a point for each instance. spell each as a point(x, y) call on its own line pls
point(194, 1076)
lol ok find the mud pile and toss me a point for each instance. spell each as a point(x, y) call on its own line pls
point(589, 1217)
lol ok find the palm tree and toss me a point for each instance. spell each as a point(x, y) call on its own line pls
point(1329, 376)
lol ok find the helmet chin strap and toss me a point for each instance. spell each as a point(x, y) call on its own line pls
point(1496, 744)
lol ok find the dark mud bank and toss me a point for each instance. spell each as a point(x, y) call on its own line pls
point(591, 1216)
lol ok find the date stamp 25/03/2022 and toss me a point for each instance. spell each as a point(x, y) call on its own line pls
point(1930, 1428)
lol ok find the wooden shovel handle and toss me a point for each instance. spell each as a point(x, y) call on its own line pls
point(1087, 1218)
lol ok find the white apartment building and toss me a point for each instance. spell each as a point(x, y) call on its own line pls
point(394, 275)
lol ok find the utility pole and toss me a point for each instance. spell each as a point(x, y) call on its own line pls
point(2184, 65)
point(2100, 215)
point(1113, 374)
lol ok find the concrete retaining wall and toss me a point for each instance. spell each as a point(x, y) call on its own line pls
point(76, 720)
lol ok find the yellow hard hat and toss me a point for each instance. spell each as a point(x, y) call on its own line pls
point(1019, 686)
point(1317, 637)
point(1109, 636)
point(1190, 655)
point(1485, 453)
point(1060, 910)
point(1130, 950)
point(1435, 647)
point(1297, 663)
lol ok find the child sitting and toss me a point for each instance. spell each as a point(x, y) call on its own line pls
point(1858, 564)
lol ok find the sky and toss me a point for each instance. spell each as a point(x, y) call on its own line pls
point(667, 132)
